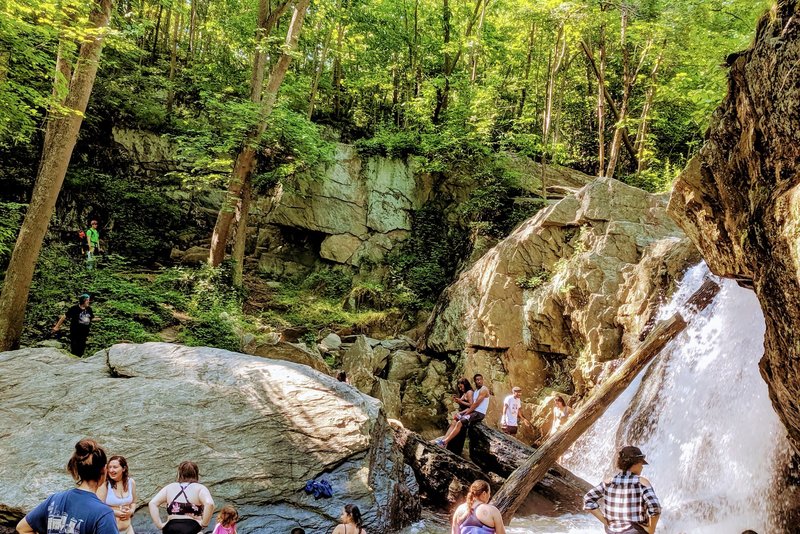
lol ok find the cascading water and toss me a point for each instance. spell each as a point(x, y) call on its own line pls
point(702, 415)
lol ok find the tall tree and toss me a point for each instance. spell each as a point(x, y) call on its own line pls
point(61, 134)
point(246, 160)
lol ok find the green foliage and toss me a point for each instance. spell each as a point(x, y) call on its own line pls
point(331, 283)
point(533, 281)
point(10, 218)
point(145, 221)
point(425, 263)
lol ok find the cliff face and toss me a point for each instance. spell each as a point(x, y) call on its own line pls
point(567, 293)
point(739, 199)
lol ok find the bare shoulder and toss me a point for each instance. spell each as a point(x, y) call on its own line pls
point(644, 482)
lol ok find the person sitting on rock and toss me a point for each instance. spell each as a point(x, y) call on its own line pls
point(477, 516)
point(472, 415)
point(351, 521)
point(465, 390)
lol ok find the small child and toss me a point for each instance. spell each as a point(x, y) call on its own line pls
point(226, 520)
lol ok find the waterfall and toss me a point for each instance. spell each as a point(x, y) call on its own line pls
point(702, 416)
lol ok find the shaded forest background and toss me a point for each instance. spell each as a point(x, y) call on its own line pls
point(622, 89)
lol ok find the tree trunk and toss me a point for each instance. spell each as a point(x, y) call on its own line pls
point(521, 481)
point(61, 135)
point(641, 133)
point(240, 242)
point(475, 52)
point(246, 160)
point(601, 111)
point(603, 91)
point(527, 72)
point(318, 73)
point(154, 51)
point(173, 63)
point(444, 477)
point(554, 65)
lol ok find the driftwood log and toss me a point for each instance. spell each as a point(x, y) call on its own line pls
point(493, 451)
point(444, 477)
point(513, 493)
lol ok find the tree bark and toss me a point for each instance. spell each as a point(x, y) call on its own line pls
point(240, 242)
point(318, 73)
point(61, 135)
point(603, 90)
point(246, 160)
point(173, 62)
point(554, 65)
point(641, 133)
point(521, 481)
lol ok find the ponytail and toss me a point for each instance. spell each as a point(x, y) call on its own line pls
point(88, 462)
point(479, 487)
point(355, 514)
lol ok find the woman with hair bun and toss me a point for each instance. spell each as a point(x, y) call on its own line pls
point(352, 523)
point(78, 510)
point(119, 493)
point(189, 503)
point(477, 516)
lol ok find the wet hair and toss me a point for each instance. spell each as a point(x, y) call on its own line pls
point(475, 377)
point(463, 382)
point(227, 516)
point(123, 463)
point(355, 514)
point(341, 376)
point(88, 462)
point(749, 532)
point(560, 400)
point(188, 472)
point(298, 530)
point(479, 487)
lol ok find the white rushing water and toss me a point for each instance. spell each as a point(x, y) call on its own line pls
point(702, 416)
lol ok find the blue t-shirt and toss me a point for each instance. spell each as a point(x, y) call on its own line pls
point(73, 511)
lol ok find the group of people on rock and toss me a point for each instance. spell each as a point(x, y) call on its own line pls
point(473, 405)
point(104, 501)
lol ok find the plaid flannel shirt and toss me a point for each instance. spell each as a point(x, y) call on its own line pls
point(627, 501)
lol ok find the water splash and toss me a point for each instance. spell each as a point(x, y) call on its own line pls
point(702, 415)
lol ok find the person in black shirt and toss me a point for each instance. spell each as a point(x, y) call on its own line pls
point(80, 318)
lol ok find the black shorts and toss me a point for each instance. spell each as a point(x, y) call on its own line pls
point(182, 526)
point(471, 419)
point(508, 429)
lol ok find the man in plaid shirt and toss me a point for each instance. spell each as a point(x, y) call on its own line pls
point(631, 505)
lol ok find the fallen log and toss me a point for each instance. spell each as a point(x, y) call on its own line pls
point(525, 477)
point(444, 478)
point(496, 452)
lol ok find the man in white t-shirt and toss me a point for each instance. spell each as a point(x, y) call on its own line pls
point(471, 415)
point(511, 413)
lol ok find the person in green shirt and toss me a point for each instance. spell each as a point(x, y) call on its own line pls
point(93, 239)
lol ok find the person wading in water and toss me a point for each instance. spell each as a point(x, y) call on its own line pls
point(631, 505)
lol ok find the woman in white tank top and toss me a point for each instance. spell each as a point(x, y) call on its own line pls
point(119, 493)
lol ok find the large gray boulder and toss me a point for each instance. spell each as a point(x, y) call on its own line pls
point(258, 429)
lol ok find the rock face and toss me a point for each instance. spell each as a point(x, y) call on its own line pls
point(739, 199)
point(568, 291)
point(258, 429)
